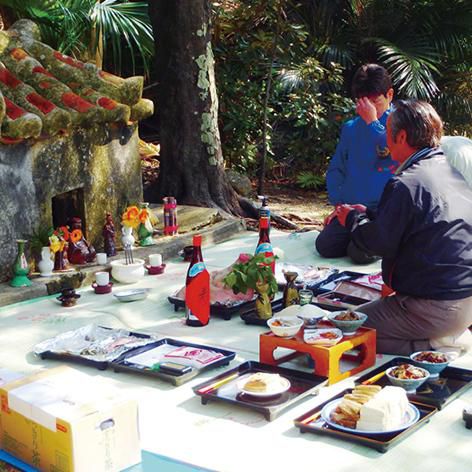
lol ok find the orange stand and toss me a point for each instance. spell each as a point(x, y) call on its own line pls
point(327, 358)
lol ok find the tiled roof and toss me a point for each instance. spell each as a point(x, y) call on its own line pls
point(43, 92)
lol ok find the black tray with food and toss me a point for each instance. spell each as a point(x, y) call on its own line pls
point(312, 422)
point(271, 393)
point(438, 392)
point(172, 360)
point(91, 354)
point(217, 309)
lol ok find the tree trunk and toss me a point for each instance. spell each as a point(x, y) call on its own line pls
point(191, 163)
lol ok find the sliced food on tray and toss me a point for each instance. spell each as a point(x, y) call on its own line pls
point(372, 408)
point(219, 294)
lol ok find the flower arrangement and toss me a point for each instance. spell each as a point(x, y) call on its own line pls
point(59, 239)
point(251, 273)
point(133, 216)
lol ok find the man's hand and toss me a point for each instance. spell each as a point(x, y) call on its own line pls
point(366, 110)
point(342, 211)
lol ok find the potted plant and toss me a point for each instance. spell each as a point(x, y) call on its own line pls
point(254, 272)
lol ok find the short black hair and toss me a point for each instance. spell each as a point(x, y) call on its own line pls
point(420, 120)
point(371, 79)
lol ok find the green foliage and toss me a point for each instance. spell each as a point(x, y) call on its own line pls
point(310, 180)
point(426, 46)
point(40, 238)
point(76, 27)
point(247, 275)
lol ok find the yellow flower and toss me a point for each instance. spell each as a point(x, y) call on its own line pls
point(130, 217)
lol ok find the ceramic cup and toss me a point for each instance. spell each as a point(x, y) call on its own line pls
point(306, 296)
point(101, 258)
point(102, 278)
point(155, 260)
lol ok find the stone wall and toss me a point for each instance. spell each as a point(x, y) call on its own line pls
point(102, 160)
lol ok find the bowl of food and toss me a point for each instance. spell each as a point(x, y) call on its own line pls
point(434, 362)
point(347, 321)
point(263, 384)
point(407, 376)
point(310, 314)
point(284, 326)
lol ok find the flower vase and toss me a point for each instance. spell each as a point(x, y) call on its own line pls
point(263, 304)
point(127, 237)
point(46, 264)
point(20, 267)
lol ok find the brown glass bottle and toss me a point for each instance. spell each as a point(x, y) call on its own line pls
point(197, 288)
point(264, 245)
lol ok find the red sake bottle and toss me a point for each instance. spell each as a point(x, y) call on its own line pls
point(197, 288)
point(264, 245)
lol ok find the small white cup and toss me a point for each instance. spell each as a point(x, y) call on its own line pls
point(101, 258)
point(155, 260)
point(102, 278)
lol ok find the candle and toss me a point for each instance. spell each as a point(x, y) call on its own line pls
point(101, 258)
point(155, 260)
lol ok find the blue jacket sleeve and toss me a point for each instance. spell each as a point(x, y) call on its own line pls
point(336, 174)
point(383, 235)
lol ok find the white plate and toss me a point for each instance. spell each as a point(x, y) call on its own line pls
point(283, 386)
point(412, 415)
point(132, 294)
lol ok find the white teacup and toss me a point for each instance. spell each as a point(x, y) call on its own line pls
point(102, 278)
point(101, 258)
point(155, 260)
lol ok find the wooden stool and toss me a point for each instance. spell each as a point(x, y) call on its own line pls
point(327, 358)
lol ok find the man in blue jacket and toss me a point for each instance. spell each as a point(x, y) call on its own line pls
point(362, 164)
point(423, 231)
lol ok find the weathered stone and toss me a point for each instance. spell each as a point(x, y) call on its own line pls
point(239, 182)
point(98, 160)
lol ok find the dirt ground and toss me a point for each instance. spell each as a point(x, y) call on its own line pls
point(305, 208)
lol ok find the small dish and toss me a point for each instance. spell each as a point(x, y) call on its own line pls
point(131, 295)
point(102, 289)
point(323, 336)
point(348, 326)
point(155, 270)
point(409, 384)
point(285, 326)
point(433, 361)
point(281, 387)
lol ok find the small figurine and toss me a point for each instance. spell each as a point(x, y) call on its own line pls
point(145, 229)
point(79, 251)
point(108, 234)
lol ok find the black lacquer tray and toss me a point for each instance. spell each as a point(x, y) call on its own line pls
point(452, 382)
point(320, 287)
point(76, 359)
point(122, 365)
point(218, 310)
point(223, 388)
point(313, 423)
point(251, 318)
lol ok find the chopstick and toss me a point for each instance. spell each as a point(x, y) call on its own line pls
point(311, 418)
point(374, 378)
point(218, 384)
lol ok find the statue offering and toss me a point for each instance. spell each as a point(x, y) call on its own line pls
point(145, 229)
point(108, 234)
point(80, 251)
point(57, 244)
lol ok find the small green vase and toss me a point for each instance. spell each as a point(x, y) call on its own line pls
point(20, 267)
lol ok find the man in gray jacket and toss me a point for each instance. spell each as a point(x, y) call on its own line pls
point(423, 231)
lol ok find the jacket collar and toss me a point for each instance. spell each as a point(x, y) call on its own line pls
point(424, 153)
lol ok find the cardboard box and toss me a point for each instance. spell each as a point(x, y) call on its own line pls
point(62, 420)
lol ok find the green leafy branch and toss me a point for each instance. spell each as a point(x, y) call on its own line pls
point(248, 275)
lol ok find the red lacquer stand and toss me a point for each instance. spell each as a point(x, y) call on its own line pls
point(327, 358)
